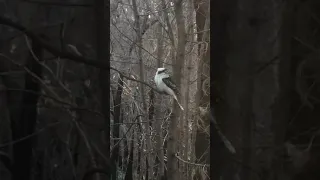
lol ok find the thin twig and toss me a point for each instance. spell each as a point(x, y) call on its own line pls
point(70, 106)
point(28, 136)
point(63, 54)
point(195, 164)
point(34, 76)
point(45, 66)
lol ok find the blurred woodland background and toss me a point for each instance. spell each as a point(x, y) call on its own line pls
point(265, 82)
point(54, 89)
point(55, 102)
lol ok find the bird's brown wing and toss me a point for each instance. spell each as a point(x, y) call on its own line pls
point(168, 81)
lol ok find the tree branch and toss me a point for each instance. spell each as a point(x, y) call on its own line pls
point(30, 135)
point(63, 54)
point(191, 163)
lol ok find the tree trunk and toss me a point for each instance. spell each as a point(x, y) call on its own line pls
point(177, 71)
point(102, 46)
point(129, 172)
point(5, 135)
point(250, 89)
point(158, 114)
point(282, 104)
point(202, 99)
point(240, 86)
point(219, 36)
point(22, 152)
point(117, 121)
point(142, 88)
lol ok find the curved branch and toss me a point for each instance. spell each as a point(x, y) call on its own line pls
point(64, 54)
point(53, 50)
point(144, 30)
point(301, 86)
point(191, 163)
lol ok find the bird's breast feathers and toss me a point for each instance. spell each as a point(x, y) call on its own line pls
point(159, 83)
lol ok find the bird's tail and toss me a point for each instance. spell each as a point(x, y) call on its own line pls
point(175, 97)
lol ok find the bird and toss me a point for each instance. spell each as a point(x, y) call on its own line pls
point(165, 85)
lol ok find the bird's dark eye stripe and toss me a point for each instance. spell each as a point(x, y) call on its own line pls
point(162, 71)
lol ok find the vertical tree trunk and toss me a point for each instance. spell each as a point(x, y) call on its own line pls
point(281, 110)
point(151, 111)
point(5, 135)
point(187, 169)
point(239, 85)
point(158, 114)
point(136, 157)
point(166, 18)
point(202, 99)
point(218, 37)
point(129, 172)
point(102, 46)
point(250, 94)
point(142, 87)
point(180, 55)
point(185, 97)
point(22, 152)
point(116, 130)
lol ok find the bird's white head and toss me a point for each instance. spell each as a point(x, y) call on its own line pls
point(161, 70)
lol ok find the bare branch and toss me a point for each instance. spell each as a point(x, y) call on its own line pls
point(29, 136)
point(187, 162)
point(64, 54)
point(34, 76)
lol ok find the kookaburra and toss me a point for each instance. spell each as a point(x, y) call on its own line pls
point(165, 84)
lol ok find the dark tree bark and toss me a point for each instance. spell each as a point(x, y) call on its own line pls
point(281, 110)
point(219, 36)
point(5, 135)
point(22, 152)
point(102, 46)
point(151, 107)
point(172, 165)
point(159, 139)
point(239, 86)
point(116, 132)
point(150, 118)
point(129, 175)
point(202, 99)
point(247, 95)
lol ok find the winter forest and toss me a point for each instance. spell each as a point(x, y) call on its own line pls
point(71, 110)
point(144, 35)
point(79, 101)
